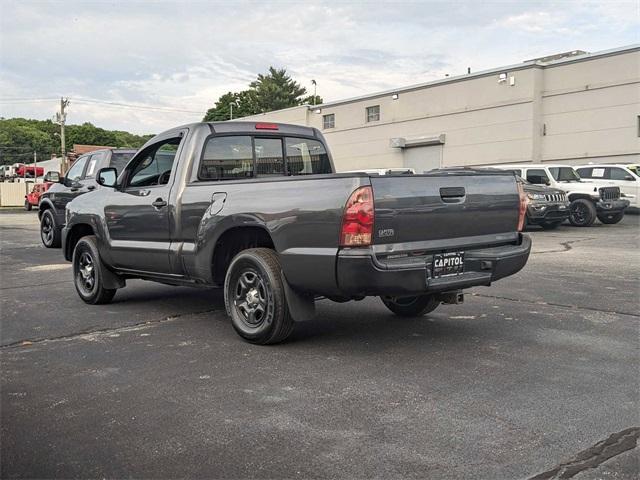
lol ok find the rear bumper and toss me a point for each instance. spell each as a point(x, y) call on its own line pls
point(359, 273)
point(612, 206)
point(547, 212)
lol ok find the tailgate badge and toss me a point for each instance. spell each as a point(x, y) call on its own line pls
point(386, 232)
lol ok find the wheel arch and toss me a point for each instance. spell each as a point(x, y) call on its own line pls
point(232, 241)
point(44, 205)
point(579, 196)
point(74, 234)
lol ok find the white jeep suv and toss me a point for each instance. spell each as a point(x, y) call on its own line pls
point(617, 175)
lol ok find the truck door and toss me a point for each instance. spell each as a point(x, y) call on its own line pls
point(138, 214)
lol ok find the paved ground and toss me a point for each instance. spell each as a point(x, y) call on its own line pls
point(524, 379)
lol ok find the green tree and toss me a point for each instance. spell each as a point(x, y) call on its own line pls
point(20, 137)
point(274, 91)
point(244, 104)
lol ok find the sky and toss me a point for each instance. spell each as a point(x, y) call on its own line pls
point(174, 59)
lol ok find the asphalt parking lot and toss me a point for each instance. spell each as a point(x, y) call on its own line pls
point(525, 378)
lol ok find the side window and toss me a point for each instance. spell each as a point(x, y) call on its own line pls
point(269, 159)
point(75, 172)
point(306, 157)
point(537, 176)
point(227, 158)
point(584, 172)
point(153, 166)
point(619, 174)
point(92, 165)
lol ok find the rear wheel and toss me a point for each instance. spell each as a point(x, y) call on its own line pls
point(49, 231)
point(610, 218)
point(411, 306)
point(255, 299)
point(583, 213)
point(550, 225)
point(88, 272)
point(27, 206)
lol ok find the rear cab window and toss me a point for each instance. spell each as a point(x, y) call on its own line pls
point(234, 157)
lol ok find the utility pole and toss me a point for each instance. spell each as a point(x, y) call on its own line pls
point(314, 91)
point(231, 114)
point(35, 167)
point(61, 118)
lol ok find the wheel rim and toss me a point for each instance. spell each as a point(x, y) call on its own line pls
point(252, 298)
point(579, 213)
point(86, 273)
point(47, 229)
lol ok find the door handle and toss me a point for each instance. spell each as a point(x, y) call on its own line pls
point(452, 194)
point(159, 203)
point(91, 187)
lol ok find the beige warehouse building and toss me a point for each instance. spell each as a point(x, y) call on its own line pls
point(572, 108)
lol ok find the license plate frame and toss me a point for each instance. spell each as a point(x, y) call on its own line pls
point(447, 264)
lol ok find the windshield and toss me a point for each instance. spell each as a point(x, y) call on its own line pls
point(635, 169)
point(564, 174)
point(119, 160)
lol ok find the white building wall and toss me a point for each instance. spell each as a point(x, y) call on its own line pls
point(573, 110)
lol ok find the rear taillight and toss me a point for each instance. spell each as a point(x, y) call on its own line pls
point(522, 209)
point(357, 221)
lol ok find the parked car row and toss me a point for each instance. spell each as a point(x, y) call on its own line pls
point(563, 194)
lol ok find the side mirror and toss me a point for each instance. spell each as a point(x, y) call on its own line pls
point(107, 177)
point(52, 177)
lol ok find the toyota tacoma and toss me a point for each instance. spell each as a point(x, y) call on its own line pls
point(257, 209)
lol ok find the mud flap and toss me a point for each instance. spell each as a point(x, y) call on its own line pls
point(302, 307)
point(111, 280)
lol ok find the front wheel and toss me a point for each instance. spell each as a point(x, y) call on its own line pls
point(583, 213)
point(610, 218)
point(49, 231)
point(411, 306)
point(255, 298)
point(88, 273)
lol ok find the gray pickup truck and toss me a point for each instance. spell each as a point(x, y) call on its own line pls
point(256, 208)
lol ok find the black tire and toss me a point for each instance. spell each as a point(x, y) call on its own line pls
point(27, 206)
point(610, 218)
point(411, 306)
point(583, 213)
point(255, 299)
point(50, 233)
point(88, 272)
point(550, 225)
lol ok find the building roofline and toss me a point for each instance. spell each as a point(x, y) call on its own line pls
point(482, 73)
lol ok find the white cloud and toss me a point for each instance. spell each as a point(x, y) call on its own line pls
point(184, 55)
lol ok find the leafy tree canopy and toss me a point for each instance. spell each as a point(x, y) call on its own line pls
point(20, 137)
point(274, 91)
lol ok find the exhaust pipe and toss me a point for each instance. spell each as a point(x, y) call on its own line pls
point(452, 298)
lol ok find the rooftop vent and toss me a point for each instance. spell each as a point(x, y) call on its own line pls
point(558, 56)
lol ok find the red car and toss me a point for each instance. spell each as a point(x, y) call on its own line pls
point(27, 170)
point(33, 199)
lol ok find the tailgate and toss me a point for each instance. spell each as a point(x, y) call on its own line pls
point(445, 210)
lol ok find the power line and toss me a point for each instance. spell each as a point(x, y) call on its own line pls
point(131, 105)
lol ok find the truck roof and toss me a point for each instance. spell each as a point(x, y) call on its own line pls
point(240, 126)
